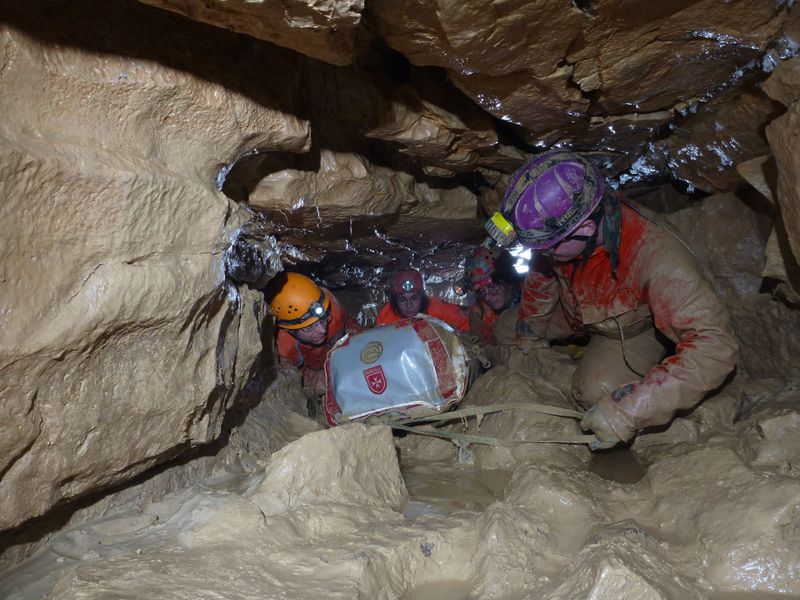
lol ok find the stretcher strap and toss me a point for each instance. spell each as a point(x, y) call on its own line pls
point(416, 425)
point(474, 411)
point(490, 441)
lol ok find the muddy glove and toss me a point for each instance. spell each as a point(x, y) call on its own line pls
point(527, 340)
point(595, 421)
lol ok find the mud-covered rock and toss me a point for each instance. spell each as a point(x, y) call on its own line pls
point(784, 86)
point(781, 268)
point(322, 30)
point(526, 381)
point(337, 188)
point(736, 513)
point(767, 328)
point(442, 130)
point(782, 135)
point(351, 464)
point(728, 238)
point(121, 345)
point(627, 565)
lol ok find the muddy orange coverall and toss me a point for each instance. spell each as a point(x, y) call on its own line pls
point(438, 309)
point(311, 359)
point(482, 320)
point(658, 286)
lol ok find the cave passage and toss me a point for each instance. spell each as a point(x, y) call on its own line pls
point(163, 163)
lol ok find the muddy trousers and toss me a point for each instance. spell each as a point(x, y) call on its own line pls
point(609, 363)
point(603, 367)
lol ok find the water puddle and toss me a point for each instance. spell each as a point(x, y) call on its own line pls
point(620, 465)
point(443, 488)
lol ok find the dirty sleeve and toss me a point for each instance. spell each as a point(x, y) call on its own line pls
point(287, 349)
point(449, 313)
point(686, 309)
point(481, 322)
point(540, 298)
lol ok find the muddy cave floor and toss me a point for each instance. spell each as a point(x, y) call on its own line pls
point(707, 508)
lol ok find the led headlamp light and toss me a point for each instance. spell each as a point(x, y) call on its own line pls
point(316, 309)
point(501, 231)
point(407, 285)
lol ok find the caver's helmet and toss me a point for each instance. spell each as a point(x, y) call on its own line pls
point(487, 265)
point(550, 196)
point(480, 267)
point(297, 301)
point(407, 280)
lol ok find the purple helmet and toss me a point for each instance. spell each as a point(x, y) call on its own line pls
point(550, 196)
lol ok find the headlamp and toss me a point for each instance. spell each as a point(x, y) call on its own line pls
point(315, 310)
point(501, 231)
point(461, 287)
point(407, 285)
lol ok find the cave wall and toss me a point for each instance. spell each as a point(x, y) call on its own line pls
point(120, 347)
point(337, 125)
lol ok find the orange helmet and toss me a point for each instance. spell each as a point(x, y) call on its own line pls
point(297, 301)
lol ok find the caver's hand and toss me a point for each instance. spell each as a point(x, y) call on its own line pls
point(595, 421)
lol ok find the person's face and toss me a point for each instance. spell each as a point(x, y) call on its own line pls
point(409, 303)
point(314, 334)
point(496, 295)
point(570, 248)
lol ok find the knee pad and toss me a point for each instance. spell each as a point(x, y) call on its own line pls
point(586, 390)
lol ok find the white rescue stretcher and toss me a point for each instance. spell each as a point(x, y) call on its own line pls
point(413, 368)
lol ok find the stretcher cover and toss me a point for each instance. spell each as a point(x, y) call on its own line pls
point(411, 368)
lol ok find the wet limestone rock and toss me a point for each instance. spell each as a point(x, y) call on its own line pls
point(480, 36)
point(707, 145)
point(503, 56)
point(551, 66)
point(323, 30)
point(780, 266)
point(658, 58)
point(340, 188)
point(628, 565)
point(761, 173)
point(451, 139)
point(769, 328)
point(538, 377)
point(784, 86)
point(439, 214)
point(728, 238)
point(120, 347)
point(736, 513)
point(351, 464)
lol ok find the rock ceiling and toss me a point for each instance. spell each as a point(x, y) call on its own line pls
point(672, 90)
